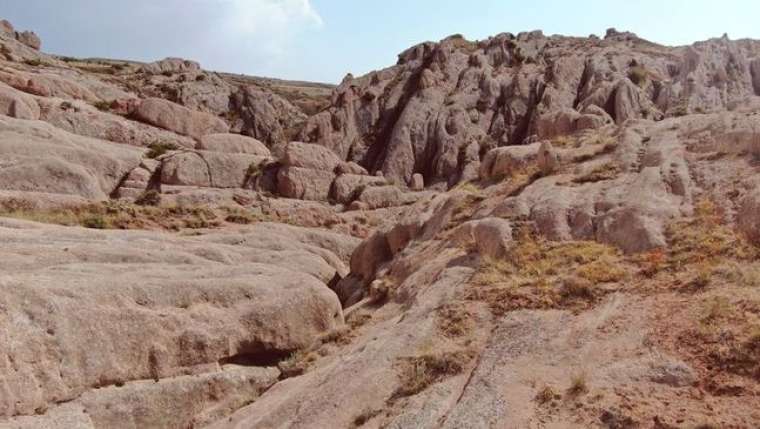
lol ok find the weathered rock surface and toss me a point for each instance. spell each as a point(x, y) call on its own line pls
point(171, 65)
point(232, 143)
point(419, 115)
point(208, 302)
point(37, 157)
point(179, 119)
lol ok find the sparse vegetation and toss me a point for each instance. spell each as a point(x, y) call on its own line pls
point(102, 105)
point(157, 149)
point(419, 372)
point(116, 215)
point(578, 385)
point(298, 363)
point(538, 273)
point(33, 62)
point(239, 216)
point(149, 198)
point(546, 395)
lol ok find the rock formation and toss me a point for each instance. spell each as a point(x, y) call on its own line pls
point(524, 231)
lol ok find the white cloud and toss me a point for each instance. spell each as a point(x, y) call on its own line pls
point(267, 25)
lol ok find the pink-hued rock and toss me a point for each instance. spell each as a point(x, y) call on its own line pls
point(179, 119)
point(347, 187)
point(232, 143)
point(37, 157)
point(171, 65)
point(17, 104)
point(304, 183)
point(305, 155)
point(47, 85)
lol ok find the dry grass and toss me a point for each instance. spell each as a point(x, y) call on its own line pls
point(455, 321)
point(119, 215)
point(297, 363)
point(546, 395)
point(538, 273)
point(419, 372)
point(704, 241)
point(578, 385)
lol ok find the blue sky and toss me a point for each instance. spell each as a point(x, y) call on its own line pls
point(322, 40)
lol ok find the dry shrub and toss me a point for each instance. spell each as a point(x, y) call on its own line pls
point(538, 273)
point(455, 320)
point(705, 239)
point(419, 372)
point(578, 385)
point(297, 363)
point(118, 215)
point(546, 394)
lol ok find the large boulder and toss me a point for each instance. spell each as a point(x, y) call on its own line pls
point(208, 169)
point(232, 143)
point(17, 104)
point(48, 85)
point(36, 157)
point(347, 187)
point(304, 183)
point(305, 155)
point(179, 119)
point(509, 160)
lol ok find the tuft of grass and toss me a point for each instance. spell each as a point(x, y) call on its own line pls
point(455, 321)
point(578, 385)
point(149, 198)
point(157, 149)
point(103, 106)
point(546, 395)
point(419, 372)
point(565, 142)
point(297, 363)
point(717, 308)
point(239, 216)
point(33, 62)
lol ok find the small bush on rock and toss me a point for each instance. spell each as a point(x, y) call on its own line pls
point(157, 149)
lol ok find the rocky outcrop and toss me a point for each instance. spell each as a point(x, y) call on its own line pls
point(421, 115)
point(170, 65)
point(264, 115)
point(37, 157)
point(28, 38)
point(181, 120)
point(211, 304)
point(232, 143)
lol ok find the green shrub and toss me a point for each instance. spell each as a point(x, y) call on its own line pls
point(103, 105)
point(159, 148)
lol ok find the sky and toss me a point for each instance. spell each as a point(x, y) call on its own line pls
point(322, 40)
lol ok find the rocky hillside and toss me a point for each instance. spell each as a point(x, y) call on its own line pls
point(525, 231)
